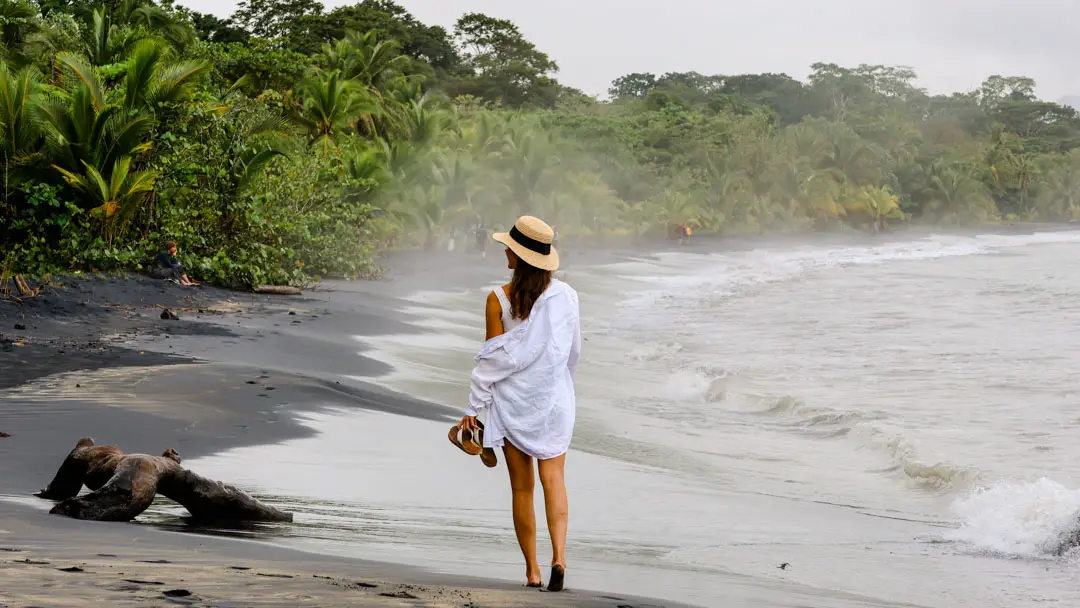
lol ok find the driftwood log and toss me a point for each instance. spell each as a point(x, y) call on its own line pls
point(123, 486)
point(23, 288)
point(281, 290)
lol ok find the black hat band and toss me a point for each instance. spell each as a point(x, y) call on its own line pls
point(530, 243)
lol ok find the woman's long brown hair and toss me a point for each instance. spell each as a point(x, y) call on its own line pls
point(526, 287)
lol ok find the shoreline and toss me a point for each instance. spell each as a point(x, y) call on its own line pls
point(202, 384)
point(54, 561)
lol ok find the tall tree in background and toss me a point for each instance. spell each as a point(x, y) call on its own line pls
point(213, 29)
point(636, 86)
point(390, 21)
point(277, 19)
point(506, 67)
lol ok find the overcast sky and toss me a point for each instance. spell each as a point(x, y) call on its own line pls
point(952, 44)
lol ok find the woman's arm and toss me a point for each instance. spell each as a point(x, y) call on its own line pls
point(493, 316)
point(486, 373)
point(575, 348)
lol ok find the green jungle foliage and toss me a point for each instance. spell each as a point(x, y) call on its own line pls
point(289, 142)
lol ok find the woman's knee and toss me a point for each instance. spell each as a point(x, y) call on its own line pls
point(522, 482)
point(551, 474)
point(521, 470)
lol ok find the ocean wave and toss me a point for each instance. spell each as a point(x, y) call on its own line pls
point(1017, 519)
point(712, 395)
point(677, 277)
point(655, 351)
point(908, 462)
point(866, 428)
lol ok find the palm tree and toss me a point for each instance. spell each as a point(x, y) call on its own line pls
point(849, 158)
point(528, 158)
point(1024, 167)
point(373, 62)
point(816, 193)
point(1059, 195)
point(728, 188)
point(84, 129)
point(20, 130)
point(117, 198)
point(755, 158)
point(155, 20)
point(880, 204)
point(375, 67)
point(151, 79)
point(338, 56)
point(676, 207)
point(420, 205)
point(587, 205)
point(332, 106)
point(254, 146)
point(104, 42)
point(958, 195)
point(366, 168)
point(19, 23)
point(644, 216)
point(454, 173)
point(899, 136)
point(422, 123)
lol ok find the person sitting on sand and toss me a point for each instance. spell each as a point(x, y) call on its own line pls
point(523, 382)
point(166, 266)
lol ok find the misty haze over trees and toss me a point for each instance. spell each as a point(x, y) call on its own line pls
point(290, 140)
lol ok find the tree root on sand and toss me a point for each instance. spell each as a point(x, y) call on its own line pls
point(123, 486)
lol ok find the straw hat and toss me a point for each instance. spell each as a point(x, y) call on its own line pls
point(530, 239)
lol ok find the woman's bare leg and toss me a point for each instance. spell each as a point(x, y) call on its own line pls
point(554, 482)
point(522, 483)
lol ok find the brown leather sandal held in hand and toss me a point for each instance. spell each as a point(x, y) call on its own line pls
point(473, 444)
point(463, 439)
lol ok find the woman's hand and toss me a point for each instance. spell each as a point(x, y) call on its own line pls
point(468, 423)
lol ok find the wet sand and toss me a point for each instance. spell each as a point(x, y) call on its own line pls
point(94, 358)
point(51, 561)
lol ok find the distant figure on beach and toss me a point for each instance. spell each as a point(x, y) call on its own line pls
point(523, 382)
point(683, 232)
point(481, 239)
point(167, 267)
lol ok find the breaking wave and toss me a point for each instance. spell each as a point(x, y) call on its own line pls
point(1013, 519)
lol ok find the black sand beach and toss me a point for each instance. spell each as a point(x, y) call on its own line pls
point(91, 356)
point(232, 371)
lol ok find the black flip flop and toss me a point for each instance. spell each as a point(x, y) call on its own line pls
point(558, 573)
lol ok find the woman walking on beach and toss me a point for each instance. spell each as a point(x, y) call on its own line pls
point(523, 381)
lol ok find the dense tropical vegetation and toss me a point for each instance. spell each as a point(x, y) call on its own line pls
point(289, 141)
